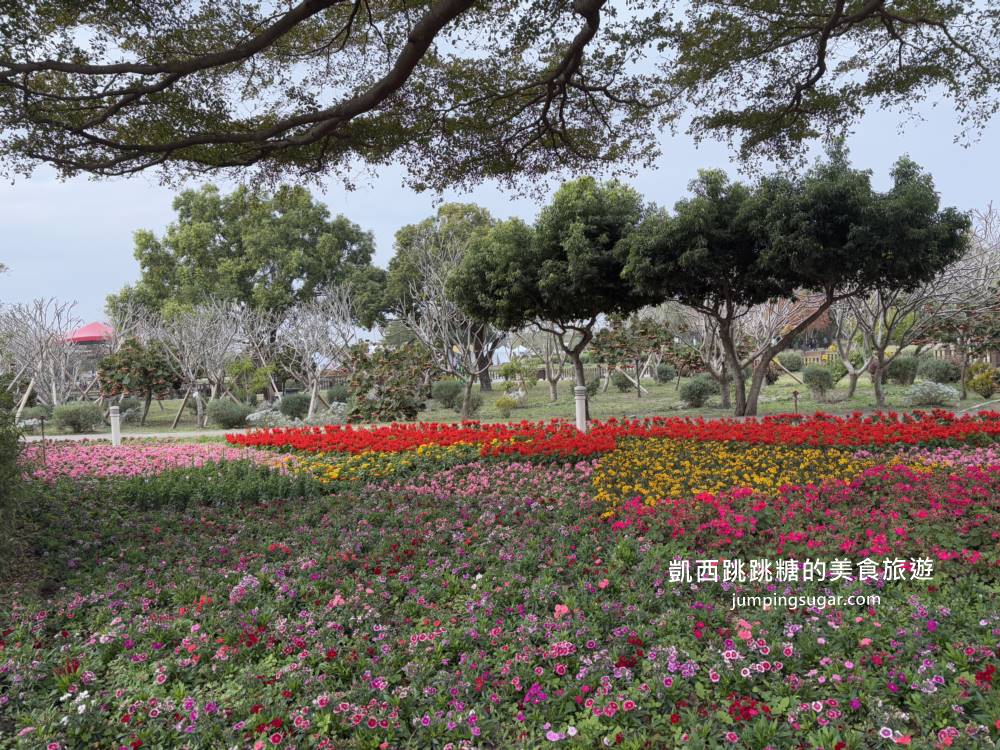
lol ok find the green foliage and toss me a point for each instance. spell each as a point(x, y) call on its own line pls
point(772, 373)
point(565, 269)
point(620, 381)
point(837, 370)
point(985, 382)
point(929, 393)
point(698, 390)
point(266, 250)
point(902, 370)
point(228, 414)
point(10, 449)
point(386, 382)
point(790, 360)
point(247, 379)
point(475, 404)
point(818, 379)
point(137, 369)
point(446, 392)
point(294, 405)
point(665, 373)
point(593, 386)
point(338, 393)
point(939, 370)
point(78, 416)
point(40, 411)
point(506, 405)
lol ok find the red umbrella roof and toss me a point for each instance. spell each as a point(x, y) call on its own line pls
point(90, 333)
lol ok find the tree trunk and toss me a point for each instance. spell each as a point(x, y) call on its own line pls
point(877, 385)
point(756, 385)
point(553, 389)
point(852, 384)
point(733, 362)
point(312, 398)
point(963, 370)
point(485, 383)
point(638, 374)
point(467, 397)
point(145, 408)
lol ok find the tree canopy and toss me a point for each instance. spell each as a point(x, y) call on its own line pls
point(461, 91)
point(826, 235)
point(561, 274)
point(268, 251)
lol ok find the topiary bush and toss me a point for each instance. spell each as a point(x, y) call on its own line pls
point(593, 386)
point(837, 370)
point(228, 414)
point(445, 392)
point(790, 360)
point(665, 373)
point(78, 416)
point(698, 390)
point(506, 405)
point(939, 370)
point(294, 405)
point(621, 382)
point(902, 370)
point(819, 380)
point(929, 393)
point(338, 392)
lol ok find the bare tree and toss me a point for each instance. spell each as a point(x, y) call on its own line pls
point(545, 346)
point(319, 334)
point(36, 339)
point(898, 318)
point(460, 346)
point(201, 341)
point(849, 342)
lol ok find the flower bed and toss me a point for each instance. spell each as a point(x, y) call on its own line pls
point(489, 604)
point(100, 460)
point(559, 438)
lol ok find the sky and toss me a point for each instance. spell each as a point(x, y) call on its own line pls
point(73, 239)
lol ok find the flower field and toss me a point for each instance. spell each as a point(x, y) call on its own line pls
point(792, 583)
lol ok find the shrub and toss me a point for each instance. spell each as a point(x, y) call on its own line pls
point(446, 391)
point(228, 414)
point(818, 379)
point(10, 449)
point(902, 370)
point(939, 370)
point(837, 370)
point(932, 394)
point(505, 405)
point(475, 404)
point(791, 361)
point(294, 405)
point(78, 416)
point(665, 373)
point(698, 390)
point(593, 387)
point(36, 412)
point(620, 381)
point(338, 392)
point(984, 383)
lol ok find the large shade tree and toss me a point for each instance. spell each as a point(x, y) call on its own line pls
point(461, 91)
point(731, 247)
point(560, 275)
point(268, 251)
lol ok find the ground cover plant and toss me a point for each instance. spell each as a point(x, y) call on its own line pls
point(438, 588)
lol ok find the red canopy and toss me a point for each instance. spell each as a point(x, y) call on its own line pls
point(90, 333)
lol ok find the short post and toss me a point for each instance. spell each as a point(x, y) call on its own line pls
point(795, 399)
point(116, 426)
point(580, 392)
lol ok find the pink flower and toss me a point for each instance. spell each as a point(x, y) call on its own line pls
point(561, 609)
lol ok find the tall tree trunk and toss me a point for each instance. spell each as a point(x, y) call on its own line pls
point(756, 386)
point(852, 384)
point(553, 389)
point(733, 362)
point(963, 371)
point(314, 388)
point(877, 384)
point(145, 408)
point(466, 411)
point(485, 383)
point(638, 373)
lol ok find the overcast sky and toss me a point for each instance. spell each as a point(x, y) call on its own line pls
point(73, 240)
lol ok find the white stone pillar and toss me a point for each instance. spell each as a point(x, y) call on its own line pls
point(580, 392)
point(116, 426)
